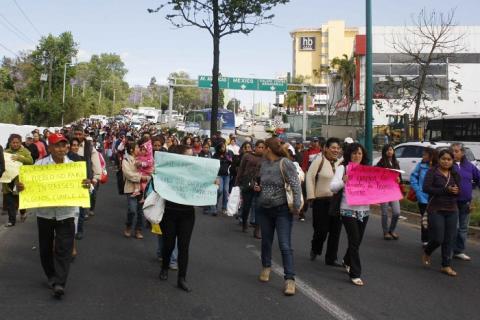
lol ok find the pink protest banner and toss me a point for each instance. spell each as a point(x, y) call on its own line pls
point(371, 185)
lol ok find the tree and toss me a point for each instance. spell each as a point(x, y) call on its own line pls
point(344, 69)
point(220, 18)
point(233, 105)
point(431, 41)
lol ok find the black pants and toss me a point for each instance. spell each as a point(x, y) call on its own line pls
point(56, 263)
point(442, 226)
point(424, 231)
point(12, 207)
point(247, 201)
point(177, 225)
point(325, 225)
point(355, 230)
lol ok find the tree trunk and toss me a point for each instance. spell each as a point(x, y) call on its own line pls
point(418, 101)
point(216, 69)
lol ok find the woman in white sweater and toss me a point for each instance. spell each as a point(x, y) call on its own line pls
point(354, 218)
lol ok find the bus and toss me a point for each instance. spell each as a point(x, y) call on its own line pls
point(198, 122)
point(463, 127)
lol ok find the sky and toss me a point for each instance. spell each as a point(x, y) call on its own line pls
point(150, 46)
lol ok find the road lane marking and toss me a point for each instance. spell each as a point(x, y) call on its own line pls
point(326, 304)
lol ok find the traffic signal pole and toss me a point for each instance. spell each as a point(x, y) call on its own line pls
point(369, 83)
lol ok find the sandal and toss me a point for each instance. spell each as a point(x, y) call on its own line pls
point(357, 281)
point(387, 236)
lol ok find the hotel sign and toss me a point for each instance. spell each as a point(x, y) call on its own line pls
point(307, 43)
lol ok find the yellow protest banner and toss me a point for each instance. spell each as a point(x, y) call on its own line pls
point(54, 185)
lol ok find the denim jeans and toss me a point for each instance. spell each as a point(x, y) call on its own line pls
point(173, 257)
point(395, 205)
point(247, 205)
point(442, 230)
point(281, 219)
point(462, 232)
point(12, 207)
point(223, 191)
point(134, 209)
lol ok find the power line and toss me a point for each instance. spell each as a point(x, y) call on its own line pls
point(11, 51)
point(14, 29)
point(27, 18)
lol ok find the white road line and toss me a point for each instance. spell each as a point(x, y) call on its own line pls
point(333, 309)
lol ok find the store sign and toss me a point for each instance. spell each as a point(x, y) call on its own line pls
point(307, 43)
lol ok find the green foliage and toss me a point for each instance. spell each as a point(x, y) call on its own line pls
point(9, 113)
point(93, 87)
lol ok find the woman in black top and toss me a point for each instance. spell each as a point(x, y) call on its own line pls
point(441, 184)
point(177, 223)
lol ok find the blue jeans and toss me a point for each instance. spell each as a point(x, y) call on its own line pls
point(281, 219)
point(442, 230)
point(134, 209)
point(462, 232)
point(223, 191)
point(173, 257)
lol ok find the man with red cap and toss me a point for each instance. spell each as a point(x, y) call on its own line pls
point(56, 226)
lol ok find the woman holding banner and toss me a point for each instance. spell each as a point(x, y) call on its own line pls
point(354, 217)
point(389, 161)
point(274, 214)
point(177, 224)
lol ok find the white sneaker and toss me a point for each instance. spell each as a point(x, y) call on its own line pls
point(462, 256)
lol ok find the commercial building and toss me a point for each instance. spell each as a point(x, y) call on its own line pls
point(392, 67)
point(313, 50)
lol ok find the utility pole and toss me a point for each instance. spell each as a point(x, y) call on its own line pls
point(369, 83)
point(305, 119)
point(100, 93)
point(63, 97)
point(171, 82)
point(83, 91)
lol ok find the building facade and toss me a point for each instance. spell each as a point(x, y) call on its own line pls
point(314, 48)
point(390, 68)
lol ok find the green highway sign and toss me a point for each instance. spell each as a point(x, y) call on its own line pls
point(272, 85)
point(206, 82)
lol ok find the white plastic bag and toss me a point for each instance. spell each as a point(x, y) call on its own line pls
point(154, 207)
point(233, 202)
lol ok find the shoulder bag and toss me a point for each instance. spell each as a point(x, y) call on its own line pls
point(289, 191)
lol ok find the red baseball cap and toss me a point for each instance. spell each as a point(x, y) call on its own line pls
point(55, 138)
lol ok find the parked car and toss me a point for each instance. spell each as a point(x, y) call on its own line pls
point(409, 154)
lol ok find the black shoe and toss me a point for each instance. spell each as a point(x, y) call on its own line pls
point(163, 274)
point(313, 255)
point(58, 291)
point(334, 264)
point(182, 284)
point(79, 236)
point(50, 283)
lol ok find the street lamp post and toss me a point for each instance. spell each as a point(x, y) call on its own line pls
point(369, 83)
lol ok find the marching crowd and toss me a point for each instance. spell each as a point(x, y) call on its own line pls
point(278, 181)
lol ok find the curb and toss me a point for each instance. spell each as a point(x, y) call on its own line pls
point(414, 218)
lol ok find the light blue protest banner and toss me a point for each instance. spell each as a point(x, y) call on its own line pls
point(185, 179)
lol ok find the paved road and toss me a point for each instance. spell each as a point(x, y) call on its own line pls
point(116, 278)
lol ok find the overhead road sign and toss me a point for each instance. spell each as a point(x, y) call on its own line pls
point(234, 83)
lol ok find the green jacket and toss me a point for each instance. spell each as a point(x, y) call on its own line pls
point(25, 158)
